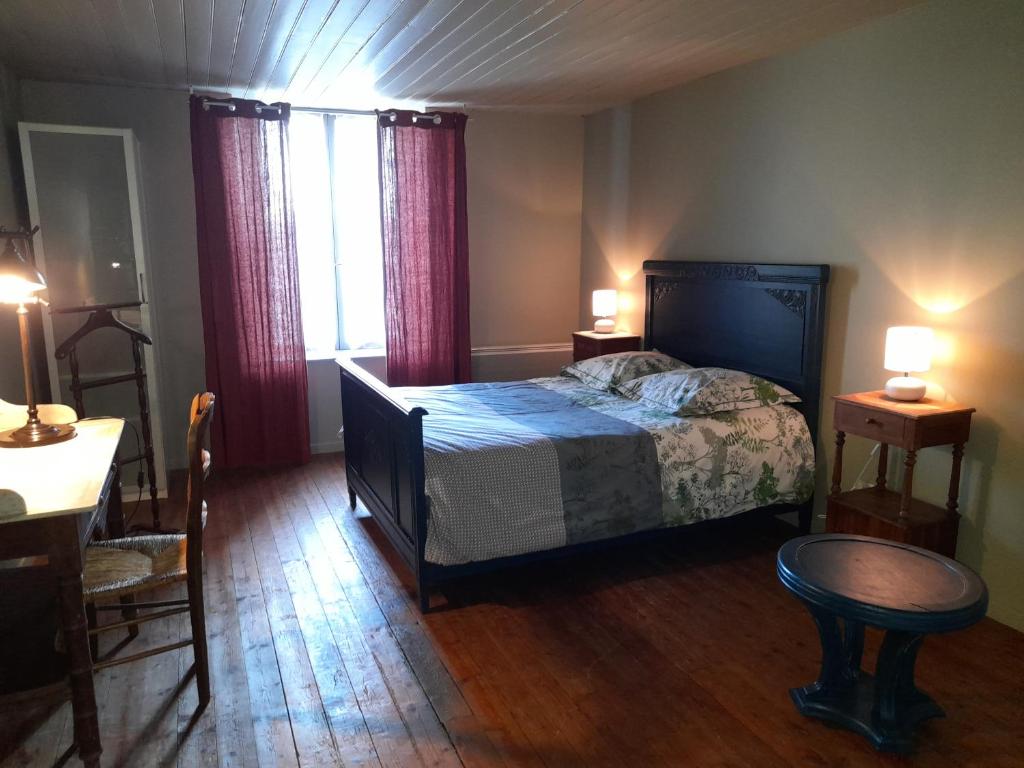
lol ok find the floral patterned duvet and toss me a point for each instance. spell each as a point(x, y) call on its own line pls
point(518, 467)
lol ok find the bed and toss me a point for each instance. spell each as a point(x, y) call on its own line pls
point(460, 479)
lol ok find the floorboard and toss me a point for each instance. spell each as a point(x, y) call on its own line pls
point(668, 654)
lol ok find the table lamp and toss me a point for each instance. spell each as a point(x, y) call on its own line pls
point(605, 306)
point(908, 349)
point(19, 282)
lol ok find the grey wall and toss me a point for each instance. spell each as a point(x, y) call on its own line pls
point(894, 152)
point(12, 386)
point(525, 198)
point(160, 121)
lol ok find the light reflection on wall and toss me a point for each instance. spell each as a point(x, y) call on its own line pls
point(939, 272)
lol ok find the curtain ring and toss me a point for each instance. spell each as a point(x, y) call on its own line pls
point(209, 103)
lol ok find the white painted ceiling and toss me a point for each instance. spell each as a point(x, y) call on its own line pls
point(565, 55)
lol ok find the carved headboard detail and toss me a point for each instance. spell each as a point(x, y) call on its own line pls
point(766, 319)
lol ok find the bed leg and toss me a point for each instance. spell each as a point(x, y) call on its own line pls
point(805, 512)
point(422, 593)
point(351, 497)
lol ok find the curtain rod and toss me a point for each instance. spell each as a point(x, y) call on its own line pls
point(328, 111)
point(434, 117)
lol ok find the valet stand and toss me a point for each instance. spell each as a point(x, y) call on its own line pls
point(100, 316)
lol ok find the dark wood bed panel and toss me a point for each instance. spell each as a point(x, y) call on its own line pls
point(765, 319)
point(762, 318)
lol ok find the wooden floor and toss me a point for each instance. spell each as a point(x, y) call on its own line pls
point(678, 654)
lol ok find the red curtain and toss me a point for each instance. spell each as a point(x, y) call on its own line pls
point(249, 283)
point(426, 247)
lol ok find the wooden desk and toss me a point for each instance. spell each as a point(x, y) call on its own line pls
point(62, 492)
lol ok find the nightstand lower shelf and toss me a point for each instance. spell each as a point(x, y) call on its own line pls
point(875, 512)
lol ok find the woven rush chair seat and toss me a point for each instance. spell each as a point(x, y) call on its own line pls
point(135, 563)
point(126, 566)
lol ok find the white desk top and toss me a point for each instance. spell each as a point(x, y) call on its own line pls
point(61, 479)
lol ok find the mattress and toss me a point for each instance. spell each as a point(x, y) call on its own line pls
point(518, 467)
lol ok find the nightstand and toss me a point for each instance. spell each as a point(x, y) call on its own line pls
point(878, 511)
point(586, 344)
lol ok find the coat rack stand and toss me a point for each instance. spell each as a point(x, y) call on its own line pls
point(101, 316)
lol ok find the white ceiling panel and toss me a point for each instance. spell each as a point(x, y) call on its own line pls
point(558, 55)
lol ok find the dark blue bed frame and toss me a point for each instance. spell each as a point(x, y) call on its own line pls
point(767, 319)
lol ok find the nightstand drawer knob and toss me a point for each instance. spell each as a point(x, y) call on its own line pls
point(870, 420)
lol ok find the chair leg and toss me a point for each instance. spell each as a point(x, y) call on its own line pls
point(197, 612)
point(129, 613)
point(94, 640)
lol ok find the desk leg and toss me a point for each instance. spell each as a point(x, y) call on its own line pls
point(908, 482)
point(837, 467)
point(76, 637)
point(954, 479)
point(883, 466)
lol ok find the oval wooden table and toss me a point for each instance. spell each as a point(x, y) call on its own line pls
point(849, 581)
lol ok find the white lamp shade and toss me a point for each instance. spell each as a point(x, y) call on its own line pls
point(908, 348)
point(18, 279)
point(606, 303)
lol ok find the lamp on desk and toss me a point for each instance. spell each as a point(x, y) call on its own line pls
point(19, 282)
point(605, 307)
point(908, 349)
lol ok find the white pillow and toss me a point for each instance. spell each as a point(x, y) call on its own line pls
point(700, 391)
point(609, 371)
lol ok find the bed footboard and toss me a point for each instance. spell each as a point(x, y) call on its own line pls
point(383, 437)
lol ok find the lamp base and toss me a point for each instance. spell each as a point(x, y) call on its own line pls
point(905, 388)
point(604, 325)
point(36, 433)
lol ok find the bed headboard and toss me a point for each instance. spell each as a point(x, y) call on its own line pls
point(766, 319)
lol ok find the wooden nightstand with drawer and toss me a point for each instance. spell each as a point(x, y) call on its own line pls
point(587, 344)
point(878, 511)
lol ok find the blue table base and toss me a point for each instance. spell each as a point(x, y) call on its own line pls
point(884, 707)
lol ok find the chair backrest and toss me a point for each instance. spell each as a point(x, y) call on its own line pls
point(198, 468)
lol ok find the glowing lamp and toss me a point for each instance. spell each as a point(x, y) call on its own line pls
point(605, 306)
point(19, 282)
point(908, 349)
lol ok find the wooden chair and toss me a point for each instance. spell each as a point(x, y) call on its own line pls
point(122, 568)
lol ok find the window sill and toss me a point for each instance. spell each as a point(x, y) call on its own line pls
point(348, 354)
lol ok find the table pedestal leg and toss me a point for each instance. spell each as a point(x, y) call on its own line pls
point(898, 704)
point(841, 650)
point(884, 707)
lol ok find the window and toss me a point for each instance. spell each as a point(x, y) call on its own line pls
point(336, 186)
